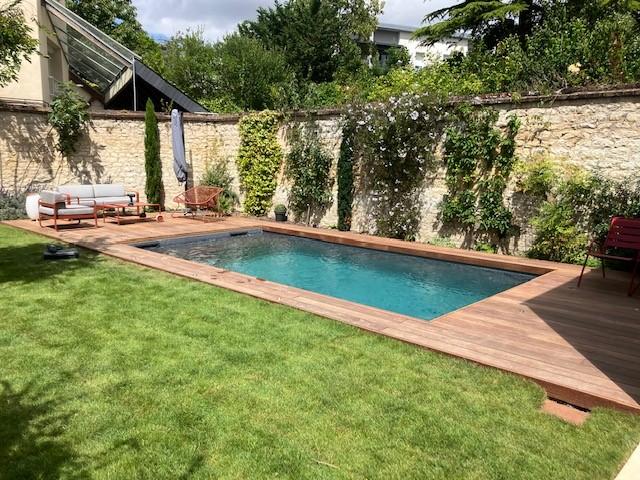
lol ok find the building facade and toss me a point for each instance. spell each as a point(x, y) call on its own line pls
point(389, 35)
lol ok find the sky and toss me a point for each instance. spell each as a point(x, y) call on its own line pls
point(163, 18)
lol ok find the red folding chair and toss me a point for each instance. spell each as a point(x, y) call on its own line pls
point(624, 233)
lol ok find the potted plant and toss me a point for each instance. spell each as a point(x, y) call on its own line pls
point(281, 213)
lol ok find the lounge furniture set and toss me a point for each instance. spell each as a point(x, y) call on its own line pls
point(79, 202)
point(83, 202)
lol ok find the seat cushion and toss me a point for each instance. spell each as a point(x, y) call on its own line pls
point(108, 190)
point(106, 200)
point(68, 210)
point(77, 191)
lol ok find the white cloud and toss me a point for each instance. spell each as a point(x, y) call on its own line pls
point(219, 17)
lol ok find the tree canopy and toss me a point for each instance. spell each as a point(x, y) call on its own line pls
point(237, 73)
point(317, 37)
point(495, 18)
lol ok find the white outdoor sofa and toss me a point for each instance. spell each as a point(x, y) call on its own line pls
point(78, 202)
point(99, 194)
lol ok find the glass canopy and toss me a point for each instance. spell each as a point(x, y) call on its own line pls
point(93, 56)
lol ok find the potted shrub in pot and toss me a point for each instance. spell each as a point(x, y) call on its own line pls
point(281, 213)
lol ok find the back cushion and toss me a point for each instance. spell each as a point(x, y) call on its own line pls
point(79, 191)
point(51, 197)
point(109, 190)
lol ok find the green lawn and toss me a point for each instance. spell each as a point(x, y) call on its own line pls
point(109, 370)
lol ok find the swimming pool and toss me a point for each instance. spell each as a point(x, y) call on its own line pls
point(410, 285)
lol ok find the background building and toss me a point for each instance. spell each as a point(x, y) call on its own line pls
point(388, 35)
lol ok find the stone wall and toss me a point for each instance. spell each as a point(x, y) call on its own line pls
point(599, 131)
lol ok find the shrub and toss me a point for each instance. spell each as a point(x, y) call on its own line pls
point(259, 159)
point(579, 208)
point(69, 116)
point(12, 205)
point(152, 164)
point(536, 176)
point(308, 167)
point(217, 174)
point(557, 237)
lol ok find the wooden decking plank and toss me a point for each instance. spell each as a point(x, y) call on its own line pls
point(582, 345)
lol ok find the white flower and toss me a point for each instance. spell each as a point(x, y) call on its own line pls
point(414, 115)
point(574, 68)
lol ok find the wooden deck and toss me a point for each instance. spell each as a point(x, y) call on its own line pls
point(582, 345)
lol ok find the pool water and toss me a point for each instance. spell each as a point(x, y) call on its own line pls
point(414, 286)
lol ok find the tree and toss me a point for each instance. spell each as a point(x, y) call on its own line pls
point(494, 19)
point(398, 57)
point(189, 60)
point(318, 37)
point(625, 5)
point(152, 164)
point(250, 76)
point(118, 19)
point(16, 43)
point(238, 73)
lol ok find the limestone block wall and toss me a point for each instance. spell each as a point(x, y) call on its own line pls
point(599, 131)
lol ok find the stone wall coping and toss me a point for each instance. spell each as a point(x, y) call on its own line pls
point(629, 91)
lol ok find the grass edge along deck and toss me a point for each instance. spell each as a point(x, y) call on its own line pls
point(557, 348)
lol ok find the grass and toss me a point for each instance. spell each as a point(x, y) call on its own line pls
point(110, 370)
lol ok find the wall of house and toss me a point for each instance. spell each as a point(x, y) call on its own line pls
point(599, 131)
point(34, 82)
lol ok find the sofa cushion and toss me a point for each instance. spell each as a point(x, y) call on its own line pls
point(77, 191)
point(51, 197)
point(108, 190)
point(106, 200)
point(68, 210)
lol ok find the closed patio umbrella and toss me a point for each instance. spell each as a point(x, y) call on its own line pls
point(177, 140)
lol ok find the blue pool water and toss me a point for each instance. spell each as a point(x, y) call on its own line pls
point(414, 286)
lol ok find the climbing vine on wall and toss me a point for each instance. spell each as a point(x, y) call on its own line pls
point(69, 117)
point(397, 144)
point(345, 177)
point(479, 158)
point(308, 167)
point(259, 159)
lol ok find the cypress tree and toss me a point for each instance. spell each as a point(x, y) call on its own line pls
point(152, 165)
point(345, 178)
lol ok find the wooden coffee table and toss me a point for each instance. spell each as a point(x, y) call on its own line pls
point(122, 210)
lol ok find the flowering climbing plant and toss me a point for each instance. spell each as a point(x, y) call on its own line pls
point(397, 143)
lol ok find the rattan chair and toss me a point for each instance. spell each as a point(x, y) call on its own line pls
point(200, 202)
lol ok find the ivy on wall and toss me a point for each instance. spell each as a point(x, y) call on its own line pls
point(479, 160)
point(308, 167)
point(397, 144)
point(345, 177)
point(259, 159)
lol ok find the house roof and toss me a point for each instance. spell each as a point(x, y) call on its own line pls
point(105, 65)
point(393, 27)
